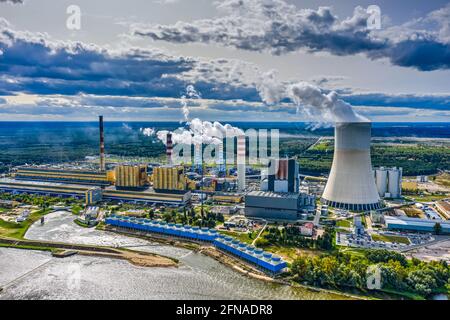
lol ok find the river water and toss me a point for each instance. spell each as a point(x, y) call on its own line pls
point(36, 275)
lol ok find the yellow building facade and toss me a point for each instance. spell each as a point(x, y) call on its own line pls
point(169, 178)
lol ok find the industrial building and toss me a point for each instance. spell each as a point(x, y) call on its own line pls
point(262, 260)
point(278, 206)
point(351, 184)
point(282, 175)
point(220, 197)
point(131, 176)
point(415, 224)
point(94, 195)
point(76, 191)
point(41, 173)
point(389, 182)
point(169, 179)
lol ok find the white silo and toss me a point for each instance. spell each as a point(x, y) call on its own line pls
point(381, 179)
point(351, 184)
point(395, 182)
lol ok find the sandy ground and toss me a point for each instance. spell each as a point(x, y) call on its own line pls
point(434, 252)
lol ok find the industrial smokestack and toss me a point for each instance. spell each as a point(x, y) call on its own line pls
point(102, 145)
point(169, 148)
point(221, 161)
point(198, 158)
point(351, 184)
point(241, 162)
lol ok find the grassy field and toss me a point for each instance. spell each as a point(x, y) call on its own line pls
point(241, 236)
point(393, 239)
point(290, 253)
point(429, 198)
point(443, 179)
point(344, 224)
point(18, 230)
point(413, 212)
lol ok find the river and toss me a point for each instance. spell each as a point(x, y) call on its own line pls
point(36, 275)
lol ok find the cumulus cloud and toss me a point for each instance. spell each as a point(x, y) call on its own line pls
point(278, 27)
point(12, 1)
point(32, 63)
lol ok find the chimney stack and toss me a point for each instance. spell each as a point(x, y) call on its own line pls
point(102, 145)
point(241, 162)
point(169, 148)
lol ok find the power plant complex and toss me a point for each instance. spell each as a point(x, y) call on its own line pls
point(352, 184)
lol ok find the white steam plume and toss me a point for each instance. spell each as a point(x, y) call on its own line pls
point(309, 99)
point(149, 132)
point(201, 132)
point(191, 93)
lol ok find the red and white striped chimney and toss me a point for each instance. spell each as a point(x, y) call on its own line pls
point(102, 145)
point(241, 162)
point(169, 148)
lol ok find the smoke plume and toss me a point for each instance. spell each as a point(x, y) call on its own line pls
point(309, 99)
point(201, 132)
point(191, 93)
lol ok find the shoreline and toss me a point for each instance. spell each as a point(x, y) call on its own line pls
point(231, 262)
point(138, 258)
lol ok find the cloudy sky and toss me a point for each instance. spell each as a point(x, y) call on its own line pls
point(133, 60)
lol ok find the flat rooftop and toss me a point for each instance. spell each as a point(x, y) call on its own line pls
point(268, 194)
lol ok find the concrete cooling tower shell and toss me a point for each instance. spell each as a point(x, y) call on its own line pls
point(351, 184)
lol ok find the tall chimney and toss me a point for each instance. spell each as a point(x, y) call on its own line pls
point(102, 145)
point(198, 157)
point(169, 148)
point(221, 161)
point(241, 162)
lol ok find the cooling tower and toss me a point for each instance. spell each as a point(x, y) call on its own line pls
point(102, 145)
point(351, 184)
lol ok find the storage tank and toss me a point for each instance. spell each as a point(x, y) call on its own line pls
point(395, 182)
point(381, 177)
point(351, 184)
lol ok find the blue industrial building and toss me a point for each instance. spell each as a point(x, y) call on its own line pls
point(415, 224)
point(263, 260)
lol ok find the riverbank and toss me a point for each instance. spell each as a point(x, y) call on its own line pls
point(230, 262)
point(142, 259)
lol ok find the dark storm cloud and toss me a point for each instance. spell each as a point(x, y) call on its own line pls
point(431, 102)
point(279, 28)
point(30, 63)
point(12, 1)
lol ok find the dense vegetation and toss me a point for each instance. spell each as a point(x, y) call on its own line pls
point(414, 159)
point(350, 271)
point(291, 236)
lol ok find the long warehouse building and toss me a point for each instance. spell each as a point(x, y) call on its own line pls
point(145, 197)
point(62, 176)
